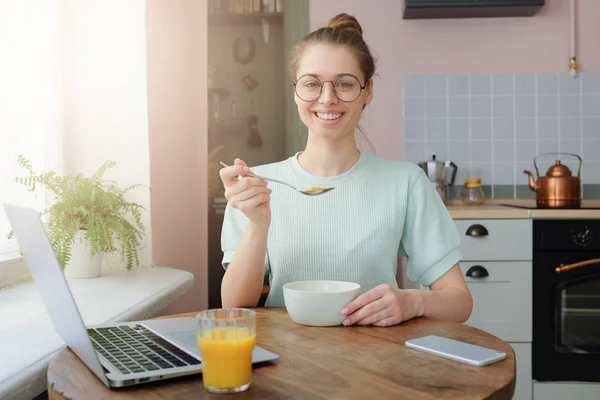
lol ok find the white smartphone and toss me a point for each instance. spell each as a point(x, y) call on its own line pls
point(456, 350)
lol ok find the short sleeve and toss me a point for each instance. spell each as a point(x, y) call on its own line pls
point(401, 251)
point(234, 224)
point(430, 239)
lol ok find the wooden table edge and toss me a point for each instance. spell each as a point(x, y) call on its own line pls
point(506, 392)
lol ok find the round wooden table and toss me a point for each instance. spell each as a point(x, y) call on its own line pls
point(325, 363)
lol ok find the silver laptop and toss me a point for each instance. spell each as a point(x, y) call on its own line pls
point(120, 354)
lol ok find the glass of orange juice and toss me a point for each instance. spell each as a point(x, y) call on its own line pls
point(226, 338)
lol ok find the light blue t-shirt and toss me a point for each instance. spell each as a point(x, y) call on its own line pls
point(379, 210)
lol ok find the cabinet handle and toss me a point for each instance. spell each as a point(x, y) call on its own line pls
point(477, 271)
point(568, 267)
point(477, 230)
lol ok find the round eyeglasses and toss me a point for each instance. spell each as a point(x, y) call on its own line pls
point(347, 88)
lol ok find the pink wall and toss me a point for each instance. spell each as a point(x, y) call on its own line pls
point(177, 124)
point(482, 45)
point(177, 43)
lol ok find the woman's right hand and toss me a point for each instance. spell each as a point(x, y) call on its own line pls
point(249, 195)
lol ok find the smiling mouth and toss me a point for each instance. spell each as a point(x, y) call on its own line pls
point(329, 116)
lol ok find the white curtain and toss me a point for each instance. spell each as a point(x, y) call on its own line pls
point(73, 95)
point(30, 105)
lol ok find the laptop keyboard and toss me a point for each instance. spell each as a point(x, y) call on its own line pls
point(134, 349)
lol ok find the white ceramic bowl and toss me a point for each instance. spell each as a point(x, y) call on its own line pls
point(318, 303)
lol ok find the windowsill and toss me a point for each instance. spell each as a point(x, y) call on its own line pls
point(13, 270)
point(28, 340)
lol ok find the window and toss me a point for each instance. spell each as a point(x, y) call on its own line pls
point(72, 85)
point(30, 106)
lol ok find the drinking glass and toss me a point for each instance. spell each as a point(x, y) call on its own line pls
point(226, 339)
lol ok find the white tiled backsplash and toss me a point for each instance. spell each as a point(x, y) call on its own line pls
point(493, 125)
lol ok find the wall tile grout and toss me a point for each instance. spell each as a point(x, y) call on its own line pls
point(492, 134)
point(514, 110)
point(535, 112)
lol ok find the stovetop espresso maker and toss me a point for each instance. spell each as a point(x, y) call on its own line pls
point(441, 174)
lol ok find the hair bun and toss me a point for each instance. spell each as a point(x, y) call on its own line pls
point(346, 22)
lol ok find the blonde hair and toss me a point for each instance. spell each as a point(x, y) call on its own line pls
point(342, 30)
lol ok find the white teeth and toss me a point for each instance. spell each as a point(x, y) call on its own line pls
point(328, 116)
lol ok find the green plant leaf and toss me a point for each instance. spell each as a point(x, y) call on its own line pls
point(99, 207)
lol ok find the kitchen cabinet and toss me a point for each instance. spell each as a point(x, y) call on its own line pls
point(496, 239)
point(416, 9)
point(566, 390)
point(523, 387)
point(502, 304)
point(497, 266)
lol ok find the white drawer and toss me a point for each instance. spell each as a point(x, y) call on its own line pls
point(566, 390)
point(499, 239)
point(502, 299)
point(524, 384)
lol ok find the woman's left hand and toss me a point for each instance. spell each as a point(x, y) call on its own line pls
point(381, 306)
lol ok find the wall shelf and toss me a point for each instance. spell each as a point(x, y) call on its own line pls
point(221, 92)
point(247, 18)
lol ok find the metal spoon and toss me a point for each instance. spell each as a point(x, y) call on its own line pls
point(307, 192)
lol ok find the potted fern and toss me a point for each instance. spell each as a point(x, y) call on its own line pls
point(88, 218)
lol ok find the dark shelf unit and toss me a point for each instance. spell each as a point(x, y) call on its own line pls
point(422, 9)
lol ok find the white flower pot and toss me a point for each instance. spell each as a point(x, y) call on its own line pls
point(82, 264)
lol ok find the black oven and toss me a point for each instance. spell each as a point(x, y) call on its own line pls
point(566, 300)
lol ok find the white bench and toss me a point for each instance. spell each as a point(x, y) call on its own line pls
point(28, 340)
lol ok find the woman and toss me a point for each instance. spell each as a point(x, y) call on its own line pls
point(379, 210)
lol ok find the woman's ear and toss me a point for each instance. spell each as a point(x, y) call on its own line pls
point(369, 92)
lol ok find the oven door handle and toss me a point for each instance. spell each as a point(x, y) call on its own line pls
point(568, 267)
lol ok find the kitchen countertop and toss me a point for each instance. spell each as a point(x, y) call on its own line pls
point(494, 209)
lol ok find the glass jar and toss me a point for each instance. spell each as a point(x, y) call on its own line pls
point(472, 193)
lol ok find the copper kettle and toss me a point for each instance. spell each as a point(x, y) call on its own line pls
point(559, 188)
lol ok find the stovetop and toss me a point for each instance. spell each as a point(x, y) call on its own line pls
point(534, 207)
